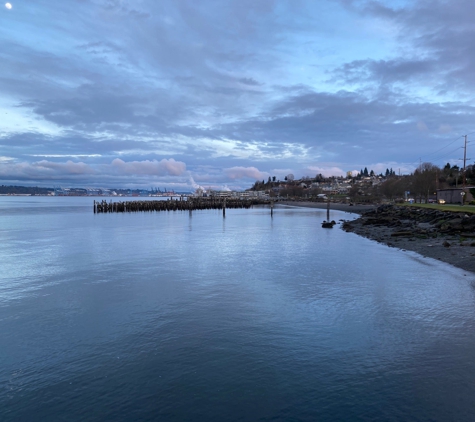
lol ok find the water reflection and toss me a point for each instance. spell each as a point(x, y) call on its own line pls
point(173, 315)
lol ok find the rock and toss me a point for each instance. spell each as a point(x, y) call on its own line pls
point(446, 244)
point(402, 233)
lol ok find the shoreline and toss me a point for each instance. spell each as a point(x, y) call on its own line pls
point(445, 236)
point(354, 209)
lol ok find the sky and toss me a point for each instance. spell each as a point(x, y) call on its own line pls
point(220, 93)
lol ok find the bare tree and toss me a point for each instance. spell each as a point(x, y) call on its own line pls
point(424, 180)
point(394, 187)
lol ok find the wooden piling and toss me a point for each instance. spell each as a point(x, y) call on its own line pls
point(176, 205)
point(271, 208)
point(328, 210)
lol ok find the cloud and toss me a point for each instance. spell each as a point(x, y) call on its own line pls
point(249, 81)
point(244, 172)
point(44, 170)
point(152, 168)
point(402, 168)
point(81, 172)
point(233, 89)
point(421, 126)
point(435, 38)
point(327, 171)
point(400, 69)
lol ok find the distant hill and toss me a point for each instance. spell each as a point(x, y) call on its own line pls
point(24, 190)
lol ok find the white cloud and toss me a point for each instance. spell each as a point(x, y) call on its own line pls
point(49, 170)
point(445, 129)
point(245, 172)
point(422, 127)
point(402, 168)
point(44, 169)
point(152, 168)
point(327, 171)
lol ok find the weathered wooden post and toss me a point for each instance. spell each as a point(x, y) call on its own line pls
point(271, 208)
point(328, 209)
point(224, 207)
point(94, 206)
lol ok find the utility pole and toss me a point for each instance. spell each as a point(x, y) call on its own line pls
point(464, 178)
point(464, 162)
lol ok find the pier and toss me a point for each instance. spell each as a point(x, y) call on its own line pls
point(191, 204)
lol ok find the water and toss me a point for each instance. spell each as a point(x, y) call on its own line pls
point(172, 317)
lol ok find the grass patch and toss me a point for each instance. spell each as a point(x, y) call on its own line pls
point(445, 207)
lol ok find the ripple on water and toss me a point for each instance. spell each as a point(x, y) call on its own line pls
point(146, 316)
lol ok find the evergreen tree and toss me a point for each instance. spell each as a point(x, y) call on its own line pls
point(365, 172)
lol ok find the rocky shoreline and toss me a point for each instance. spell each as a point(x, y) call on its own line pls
point(443, 235)
point(355, 209)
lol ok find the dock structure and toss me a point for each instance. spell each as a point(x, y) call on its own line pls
point(191, 204)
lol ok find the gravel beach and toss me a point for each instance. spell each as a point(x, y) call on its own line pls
point(441, 235)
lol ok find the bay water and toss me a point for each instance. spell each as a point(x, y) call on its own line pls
point(174, 316)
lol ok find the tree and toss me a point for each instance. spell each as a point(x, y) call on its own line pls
point(273, 178)
point(354, 190)
point(365, 172)
point(424, 180)
point(470, 174)
point(394, 188)
point(371, 173)
point(292, 190)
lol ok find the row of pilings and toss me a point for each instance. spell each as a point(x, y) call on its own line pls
point(191, 204)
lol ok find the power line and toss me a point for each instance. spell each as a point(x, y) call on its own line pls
point(440, 158)
point(444, 157)
point(446, 154)
point(455, 140)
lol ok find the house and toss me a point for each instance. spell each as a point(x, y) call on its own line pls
point(454, 195)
